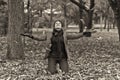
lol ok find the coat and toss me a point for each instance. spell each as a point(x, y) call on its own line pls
point(58, 49)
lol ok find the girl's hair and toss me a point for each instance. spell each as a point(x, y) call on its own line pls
point(59, 33)
point(57, 21)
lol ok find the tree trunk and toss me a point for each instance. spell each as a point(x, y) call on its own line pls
point(41, 12)
point(51, 14)
point(114, 23)
point(118, 25)
point(90, 18)
point(81, 14)
point(101, 22)
point(105, 24)
point(80, 23)
point(16, 20)
point(29, 25)
point(89, 24)
point(108, 26)
point(115, 5)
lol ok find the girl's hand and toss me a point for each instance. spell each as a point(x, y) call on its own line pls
point(27, 34)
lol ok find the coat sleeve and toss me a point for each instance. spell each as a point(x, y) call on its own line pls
point(71, 36)
point(42, 37)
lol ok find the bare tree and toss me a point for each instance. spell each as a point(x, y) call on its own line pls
point(115, 5)
point(16, 20)
point(90, 10)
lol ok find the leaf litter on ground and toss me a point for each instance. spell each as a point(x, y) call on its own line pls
point(94, 58)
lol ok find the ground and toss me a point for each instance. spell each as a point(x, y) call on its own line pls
point(94, 58)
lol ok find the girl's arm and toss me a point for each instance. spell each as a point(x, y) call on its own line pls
point(42, 37)
point(71, 36)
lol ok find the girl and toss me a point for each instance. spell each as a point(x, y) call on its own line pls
point(58, 54)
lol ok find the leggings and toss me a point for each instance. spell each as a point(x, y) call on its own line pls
point(63, 63)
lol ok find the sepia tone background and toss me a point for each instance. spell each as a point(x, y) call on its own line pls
point(95, 56)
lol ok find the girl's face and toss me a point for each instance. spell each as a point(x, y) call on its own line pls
point(58, 25)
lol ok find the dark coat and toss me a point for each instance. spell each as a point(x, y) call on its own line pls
point(58, 49)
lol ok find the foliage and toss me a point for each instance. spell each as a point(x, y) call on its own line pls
point(3, 7)
point(115, 5)
point(3, 17)
point(95, 58)
point(2, 2)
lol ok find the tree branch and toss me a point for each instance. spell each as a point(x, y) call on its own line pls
point(75, 2)
point(113, 4)
point(79, 5)
point(92, 4)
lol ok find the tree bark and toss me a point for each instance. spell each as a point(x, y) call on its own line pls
point(51, 14)
point(118, 25)
point(90, 14)
point(108, 27)
point(16, 20)
point(90, 17)
point(80, 6)
point(29, 22)
point(105, 24)
point(81, 14)
point(115, 5)
point(114, 23)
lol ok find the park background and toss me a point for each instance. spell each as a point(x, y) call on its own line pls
point(95, 57)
